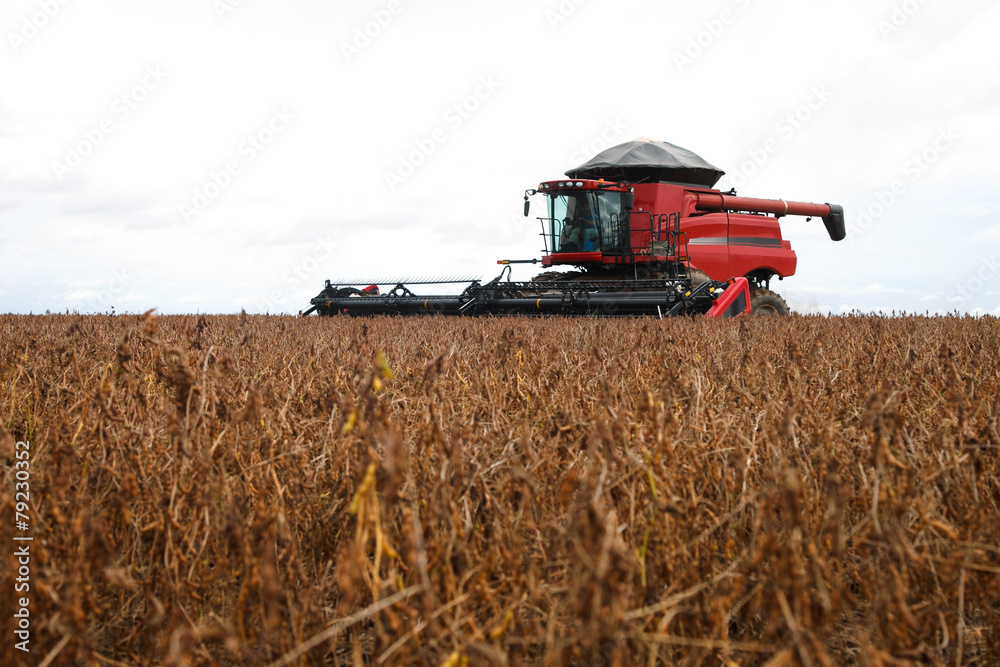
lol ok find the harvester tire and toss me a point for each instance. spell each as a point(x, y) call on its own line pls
point(764, 302)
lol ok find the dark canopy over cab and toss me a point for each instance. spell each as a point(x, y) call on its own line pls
point(648, 161)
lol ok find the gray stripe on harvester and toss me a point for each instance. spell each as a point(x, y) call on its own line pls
point(759, 241)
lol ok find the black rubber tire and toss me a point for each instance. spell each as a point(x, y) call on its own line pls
point(764, 302)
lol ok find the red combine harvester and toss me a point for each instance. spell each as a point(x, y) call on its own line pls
point(645, 233)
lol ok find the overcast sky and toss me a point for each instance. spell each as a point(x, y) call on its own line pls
point(218, 155)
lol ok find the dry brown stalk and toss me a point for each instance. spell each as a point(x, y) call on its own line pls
point(221, 490)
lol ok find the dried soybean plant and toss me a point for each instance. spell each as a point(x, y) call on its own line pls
point(268, 490)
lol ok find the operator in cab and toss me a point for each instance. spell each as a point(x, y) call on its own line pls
point(579, 233)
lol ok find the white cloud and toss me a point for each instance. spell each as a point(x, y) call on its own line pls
point(876, 288)
point(990, 235)
point(82, 295)
point(84, 283)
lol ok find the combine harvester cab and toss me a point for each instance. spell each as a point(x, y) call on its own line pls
point(643, 232)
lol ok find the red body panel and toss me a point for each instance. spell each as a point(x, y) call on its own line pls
point(755, 243)
point(725, 235)
point(708, 244)
point(735, 301)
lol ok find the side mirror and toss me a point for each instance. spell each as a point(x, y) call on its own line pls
point(628, 201)
point(527, 204)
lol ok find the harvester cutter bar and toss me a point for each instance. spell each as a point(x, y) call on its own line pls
point(599, 299)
